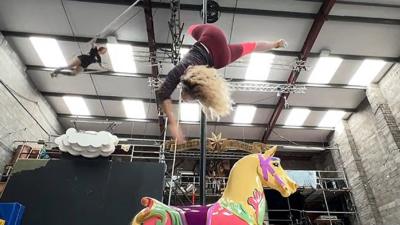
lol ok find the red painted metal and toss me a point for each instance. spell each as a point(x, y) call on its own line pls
point(319, 21)
point(153, 48)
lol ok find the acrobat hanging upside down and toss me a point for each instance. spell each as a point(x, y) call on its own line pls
point(197, 72)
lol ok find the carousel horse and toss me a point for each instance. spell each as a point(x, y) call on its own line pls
point(242, 203)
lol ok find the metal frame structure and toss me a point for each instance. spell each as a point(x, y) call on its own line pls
point(155, 75)
point(175, 28)
point(267, 87)
point(75, 118)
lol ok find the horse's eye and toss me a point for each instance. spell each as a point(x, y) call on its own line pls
point(275, 164)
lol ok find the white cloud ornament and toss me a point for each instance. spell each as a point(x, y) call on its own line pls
point(89, 144)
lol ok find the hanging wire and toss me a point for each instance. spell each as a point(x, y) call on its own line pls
point(176, 144)
point(70, 26)
point(133, 16)
point(147, 113)
point(16, 93)
point(282, 137)
point(231, 31)
point(130, 18)
point(97, 94)
point(132, 128)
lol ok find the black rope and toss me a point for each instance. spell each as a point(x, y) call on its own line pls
point(70, 26)
point(97, 94)
point(231, 31)
point(26, 110)
point(134, 15)
point(282, 137)
point(32, 101)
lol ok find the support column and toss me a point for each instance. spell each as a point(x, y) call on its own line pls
point(384, 119)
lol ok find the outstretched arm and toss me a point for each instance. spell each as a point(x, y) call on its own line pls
point(172, 122)
point(93, 41)
point(263, 46)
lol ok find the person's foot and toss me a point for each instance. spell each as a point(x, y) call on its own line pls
point(281, 44)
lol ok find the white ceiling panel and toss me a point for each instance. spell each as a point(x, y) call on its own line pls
point(332, 97)
point(123, 86)
point(59, 106)
point(137, 128)
point(240, 133)
point(247, 97)
point(359, 39)
point(282, 5)
point(368, 11)
point(279, 71)
point(65, 84)
point(104, 14)
point(292, 30)
point(115, 108)
point(299, 135)
point(68, 122)
point(260, 116)
point(313, 118)
point(39, 16)
point(29, 56)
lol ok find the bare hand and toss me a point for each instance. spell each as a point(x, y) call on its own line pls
point(177, 134)
point(281, 44)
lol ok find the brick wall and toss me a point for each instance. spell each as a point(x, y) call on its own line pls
point(369, 152)
point(15, 121)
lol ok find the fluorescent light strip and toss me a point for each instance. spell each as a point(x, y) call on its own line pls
point(324, 70)
point(49, 51)
point(76, 105)
point(122, 58)
point(134, 109)
point(331, 118)
point(244, 114)
point(367, 72)
point(259, 66)
point(183, 52)
point(297, 116)
point(190, 112)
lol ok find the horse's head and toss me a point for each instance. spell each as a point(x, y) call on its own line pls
point(273, 175)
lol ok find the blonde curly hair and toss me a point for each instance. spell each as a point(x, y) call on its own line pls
point(209, 88)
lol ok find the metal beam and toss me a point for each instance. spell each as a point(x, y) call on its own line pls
point(356, 3)
point(147, 75)
point(260, 12)
point(304, 53)
point(150, 100)
point(7, 33)
point(211, 123)
point(154, 137)
point(148, 12)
